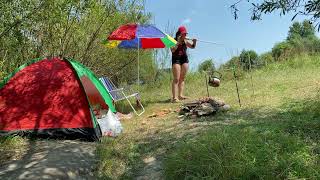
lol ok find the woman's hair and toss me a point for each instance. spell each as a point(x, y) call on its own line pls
point(178, 33)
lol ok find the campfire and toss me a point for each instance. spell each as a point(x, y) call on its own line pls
point(203, 107)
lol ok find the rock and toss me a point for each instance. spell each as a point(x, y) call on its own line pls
point(149, 160)
point(194, 116)
point(214, 103)
point(181, 116)
point(220, 102)
point(226, 107)
point(205, 109)
point(184, 110)
point(203, 106)
point(191, 104)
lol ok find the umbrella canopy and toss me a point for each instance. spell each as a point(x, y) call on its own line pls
point(135, 36)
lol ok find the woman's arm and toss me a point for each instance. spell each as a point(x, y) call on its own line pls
point(193, 45)
point(174, 48)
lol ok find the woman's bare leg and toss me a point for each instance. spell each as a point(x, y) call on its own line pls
point(176, 68)
point(184, 70)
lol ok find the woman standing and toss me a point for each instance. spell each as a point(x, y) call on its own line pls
point(180, 63)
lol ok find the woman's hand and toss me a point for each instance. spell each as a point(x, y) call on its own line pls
point(194, 42)
point(193, 45)
point(179, 40)
point(174, 48)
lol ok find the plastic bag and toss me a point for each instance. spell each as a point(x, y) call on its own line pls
point(110, 124)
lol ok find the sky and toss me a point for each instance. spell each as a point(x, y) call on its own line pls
point(212, 20)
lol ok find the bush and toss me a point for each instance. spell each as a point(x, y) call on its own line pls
point(281, 51)
point(206, 65)
point(248, 59)
point(265, 59)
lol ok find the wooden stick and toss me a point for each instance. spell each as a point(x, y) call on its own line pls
point(207, 85)
point(235, 79)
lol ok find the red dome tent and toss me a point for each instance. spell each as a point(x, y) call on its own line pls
point(52, 98)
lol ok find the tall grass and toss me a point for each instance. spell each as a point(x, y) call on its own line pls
point(278, 136)
point(243, 153)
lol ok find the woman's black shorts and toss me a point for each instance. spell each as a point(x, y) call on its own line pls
point(180, 61)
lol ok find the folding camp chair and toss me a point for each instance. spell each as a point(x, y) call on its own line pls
point(117, 94)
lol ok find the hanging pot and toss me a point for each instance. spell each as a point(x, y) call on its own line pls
point(214, 78)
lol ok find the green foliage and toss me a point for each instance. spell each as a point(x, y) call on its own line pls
point(308, 8)
point(301, 30)
point(265, 59)
point(74, 29)
point(281, 51)
point(234, 61)
point(207, 65)
point(231, 69)
point(301, 39)
point(248, 59)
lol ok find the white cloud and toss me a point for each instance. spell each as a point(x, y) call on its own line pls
point(186, 21)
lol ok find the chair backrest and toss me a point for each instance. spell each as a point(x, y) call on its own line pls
point(108, 84)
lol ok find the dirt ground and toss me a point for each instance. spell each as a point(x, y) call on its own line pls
point(53, 159)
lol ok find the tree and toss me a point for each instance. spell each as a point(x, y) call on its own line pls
point(301, 30)
point(206, 65)
point(73, 29)
point(295, 31)
point(302, 38)
point(309, 8)
point(265, 59)
point(281, 51)
point(248, 59)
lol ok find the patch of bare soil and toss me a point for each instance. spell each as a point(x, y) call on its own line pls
point(52, 159)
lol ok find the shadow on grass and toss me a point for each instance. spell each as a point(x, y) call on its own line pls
point(156, 101)
point(124, 107)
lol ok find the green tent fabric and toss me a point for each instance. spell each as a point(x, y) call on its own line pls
point(82, 70)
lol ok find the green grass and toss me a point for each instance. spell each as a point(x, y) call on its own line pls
point(276, 145)
point(274, 135)
point(243, 153)
point(12, 147)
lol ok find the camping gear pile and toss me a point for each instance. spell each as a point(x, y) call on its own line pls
point(109, 124)
point(203, 107)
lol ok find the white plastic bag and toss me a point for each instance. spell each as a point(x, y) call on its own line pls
point(110, 124)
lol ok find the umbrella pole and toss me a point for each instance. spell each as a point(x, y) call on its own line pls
point(138, 66)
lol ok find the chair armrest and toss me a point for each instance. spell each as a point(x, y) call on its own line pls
point(116, 90)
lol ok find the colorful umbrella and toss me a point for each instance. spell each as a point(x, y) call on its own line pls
point(139, 37)
point(136, 36)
